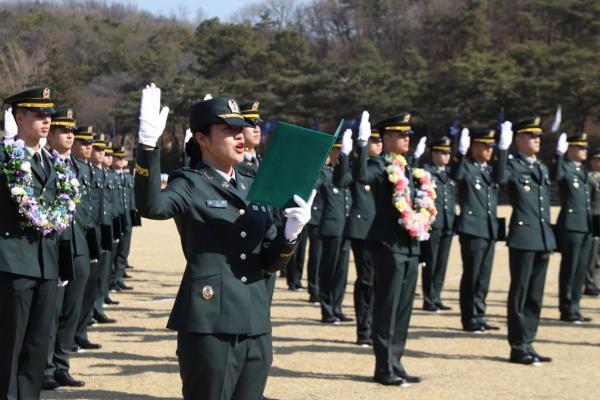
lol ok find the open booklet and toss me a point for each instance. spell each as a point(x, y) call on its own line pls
point(291, 165)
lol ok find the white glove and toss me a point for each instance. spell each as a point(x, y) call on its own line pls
point(208, 96)
point(420, 148)
point(62, 283)
point(562, 145)
point(506, 135)
point(464, 141)
point(364, 128)
point(298, 217)
point(188, 136)
point(347, 142)
point(152, 118)
point(10, 125)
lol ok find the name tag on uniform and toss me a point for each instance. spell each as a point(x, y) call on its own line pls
point(216, 203)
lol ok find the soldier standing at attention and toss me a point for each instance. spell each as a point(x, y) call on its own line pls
point(315, 248)
point(478, 181)
point(28, 250)
point(394, 239)
point(437, 249)
point(592, 280)
point(530, 240)
point(574, 224)
point(222, 310)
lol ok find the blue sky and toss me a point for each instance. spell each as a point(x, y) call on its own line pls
point(211, 8)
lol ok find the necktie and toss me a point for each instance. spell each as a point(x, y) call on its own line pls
point(38, 160)
point(233, 183)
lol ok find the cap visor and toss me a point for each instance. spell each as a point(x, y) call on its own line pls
point(50, 111)
point(237, 122)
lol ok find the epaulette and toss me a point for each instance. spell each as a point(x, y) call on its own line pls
point(245, 173)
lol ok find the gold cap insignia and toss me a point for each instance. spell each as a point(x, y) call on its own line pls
point(406, 119)
point(584, 136)
point(233, 106)
point(446, 142)
point(109, 145)
point(207, 292)
point(255, 106)
point(70, 113)
point(101, 137)
point(46, 93)
point(91, 130)
point(536, 121)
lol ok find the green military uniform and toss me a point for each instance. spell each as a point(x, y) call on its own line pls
point(574, 229)
point(28, 270)
point(357, 228)
point(592, 280)
point(315, 247)
point(120, 216)
point(530, 242)
point(69, 299)
point(395, 259)
point(333, 270)
point(435, 251)
point(222, 309)
point(477, 227)
point(126, 221)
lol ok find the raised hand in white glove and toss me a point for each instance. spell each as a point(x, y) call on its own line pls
point(464, 142)
point(364, 128)
point(347, 142)
point(188, 136)
point(10, 125)
point(506, 135)
point(562, 145)
point(208, 96)
point(152, 118)
point(298, 217)
point(420, 148)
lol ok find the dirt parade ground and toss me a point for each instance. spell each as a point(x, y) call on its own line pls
point(316, 361)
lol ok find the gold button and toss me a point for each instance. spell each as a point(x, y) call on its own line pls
point(243, 234)
point(243, 256)
point(242, 211)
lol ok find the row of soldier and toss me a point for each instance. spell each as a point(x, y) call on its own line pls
point(88, 255)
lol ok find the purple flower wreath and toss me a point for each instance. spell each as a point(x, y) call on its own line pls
point(47, 220)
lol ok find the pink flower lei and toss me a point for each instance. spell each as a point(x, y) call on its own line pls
point(415, 219)
point(55, 217)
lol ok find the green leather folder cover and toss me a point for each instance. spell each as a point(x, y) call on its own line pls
point(291, 165)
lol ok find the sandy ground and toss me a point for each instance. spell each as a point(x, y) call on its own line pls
point(313, 361)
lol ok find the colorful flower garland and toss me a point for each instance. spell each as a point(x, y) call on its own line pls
point(47, 220)
point(417, 221)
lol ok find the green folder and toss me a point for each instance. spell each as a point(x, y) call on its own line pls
point(291, 165)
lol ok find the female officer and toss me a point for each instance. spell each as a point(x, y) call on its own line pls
point(221, 312)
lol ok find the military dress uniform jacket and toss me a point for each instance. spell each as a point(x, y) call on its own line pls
point(337, 199)
point(478, 195)
point(575, 212)
point(385, 229)
point(528, 190)
point(228, 244)
point(82, 221)
point(128, 198)
point(249, 167)
point(362, 211)
point(445, 201)
point(24, 251)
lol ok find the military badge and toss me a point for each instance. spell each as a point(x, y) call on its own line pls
point(233, 106)
point(70, 113)
point(207, 292)
point(46, 93)
point(255, 106)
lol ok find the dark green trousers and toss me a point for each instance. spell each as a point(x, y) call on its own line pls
point(295, 266)
point(576, 250)
point(435, 254)
point(363, 288)
point(315, 253)
point(478, 258)
point(69, 301)
point(87, 304)
point(223, 366)
point(525, 297)
point(592, 278)
point(395, 282)
point(121, 254)
point(106, 266)
point(333, 275)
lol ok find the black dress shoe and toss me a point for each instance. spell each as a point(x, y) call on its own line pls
point(473, 329)
point(331, 320)
point(103, 319)
point(123, 286)
point(487, 327)
point(443, 307)
point(127, 276)
point(345, 318)
point(540, 358)
point(574, 319)
point(109, 301)
point(50, 383)
point(388, 379)
point(591, 292)
point(313, 299)
point(408, 378)
point(86, 344)
point(364, 342)
point(92, 322)
point(430, 308)
point(582, 318)
point(129, 266)
point(65, 379)
point(524, 359)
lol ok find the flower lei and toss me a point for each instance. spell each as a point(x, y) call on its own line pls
point(416, 220)
point(47, 220)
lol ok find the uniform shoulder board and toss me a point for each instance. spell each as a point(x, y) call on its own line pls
point(245, 173)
